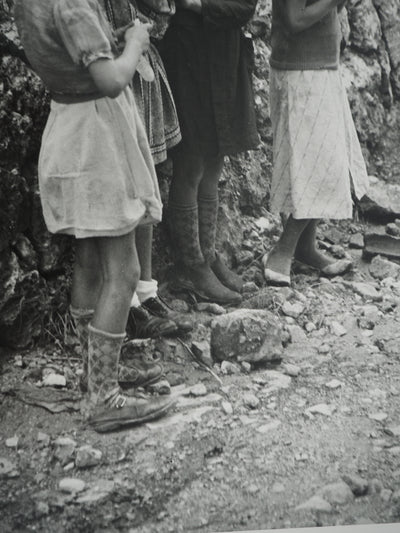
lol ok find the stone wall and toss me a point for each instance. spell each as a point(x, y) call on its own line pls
point(35, 267)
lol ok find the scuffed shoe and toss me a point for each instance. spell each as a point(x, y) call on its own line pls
point(157, 307)
point(201, 281)
point(119, 411)
point(226, 276)
point(143, 325)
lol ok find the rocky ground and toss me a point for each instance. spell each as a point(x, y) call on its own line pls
point(287, 414)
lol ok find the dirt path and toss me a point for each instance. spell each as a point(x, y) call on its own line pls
point(312, 441)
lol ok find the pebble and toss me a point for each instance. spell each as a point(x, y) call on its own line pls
point(227, 407)
point(337, 493)
point(393, 431)
point(366, 290)
point(337, 329)
point(357, 484)
point(375, 486)
point(249, 287)
point(386, 494)
point(277, 488)
point(292, 310)
point(86, 456)
point(202, 350)
point(44, 438)
point(321, 409)
point(65, 449)
point(251, 401)
point(291, 370)
point(379, 417)
point(310, 326)
point(42, 509)
point(324, 348)
point(267, 428)
point(229, 368)
point(198, 390)
point(54, 380)
point(316, 503)
point(245, 366)
point(180, 306)
point(98, 491)
point(7, 469)
point(334, 384)
point(356, 241)
point(297, 335)
point(212, 308)
point(71, 485)
point(12, 442)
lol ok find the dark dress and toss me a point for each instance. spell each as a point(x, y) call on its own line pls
point(209, 61)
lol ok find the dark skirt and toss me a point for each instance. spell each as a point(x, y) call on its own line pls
point(210, 74)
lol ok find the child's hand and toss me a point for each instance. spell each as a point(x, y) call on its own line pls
point(139, 32)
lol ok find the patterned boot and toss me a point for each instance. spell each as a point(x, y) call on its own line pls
point(208, 214)
point(108, 407)
point(139, 372)
point(193, 272)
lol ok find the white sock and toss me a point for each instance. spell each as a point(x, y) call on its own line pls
point(135, 300)
point(146, 289)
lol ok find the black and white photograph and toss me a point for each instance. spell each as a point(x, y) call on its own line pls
point(199, 266)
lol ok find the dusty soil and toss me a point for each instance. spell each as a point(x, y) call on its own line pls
point(241, 455)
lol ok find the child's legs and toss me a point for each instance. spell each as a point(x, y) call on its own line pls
point(307, 251)
point(87, 276)
point(208, 187)
point(120, 269)
point(188, 173)
point(144, 241)
point(280, 258)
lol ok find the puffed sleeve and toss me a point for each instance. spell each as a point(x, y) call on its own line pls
point(228, 13)
point(82, 30)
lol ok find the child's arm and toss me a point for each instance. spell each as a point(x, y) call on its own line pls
point(111, 76)
point(300, 16)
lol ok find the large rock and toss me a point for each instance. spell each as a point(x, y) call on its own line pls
point(246, 335)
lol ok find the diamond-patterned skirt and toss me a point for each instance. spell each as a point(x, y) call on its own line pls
point(317, 154)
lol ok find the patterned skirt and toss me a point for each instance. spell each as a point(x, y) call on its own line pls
point(317, 154)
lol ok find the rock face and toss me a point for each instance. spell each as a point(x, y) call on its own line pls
point(35, 267)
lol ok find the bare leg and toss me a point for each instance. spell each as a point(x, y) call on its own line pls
point(87, 276)
point(307, 251)
point(188, 173)
point(120, 269)
point(144, 241)
point(280, 258)
point(208, 186)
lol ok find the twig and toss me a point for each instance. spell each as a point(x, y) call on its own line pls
point(199, 361)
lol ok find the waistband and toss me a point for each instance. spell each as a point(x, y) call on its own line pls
point(74, 98)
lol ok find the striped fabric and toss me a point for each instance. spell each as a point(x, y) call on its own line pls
point(317, 155)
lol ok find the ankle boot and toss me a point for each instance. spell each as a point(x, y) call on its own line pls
point(138, 373)
point(208, 215)
point(108, 407)
point(193, 272)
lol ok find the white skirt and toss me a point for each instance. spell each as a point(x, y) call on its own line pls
point(96, 172)
point(316, 151)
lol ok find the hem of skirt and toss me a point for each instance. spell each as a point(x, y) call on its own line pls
point(80, 233)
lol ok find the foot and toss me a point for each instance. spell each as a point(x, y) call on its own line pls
point(143, 325)
point(327, 266)
point(277, 268)
point(226, 276)
point(158, 308)
point(117, 411)
point(201, 281)
point(136, 369)
point(313, 258)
